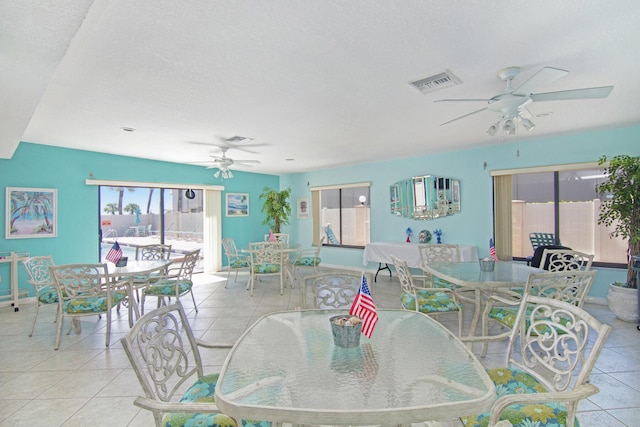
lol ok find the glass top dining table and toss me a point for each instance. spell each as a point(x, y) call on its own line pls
point(286, 368)
point(505, 275)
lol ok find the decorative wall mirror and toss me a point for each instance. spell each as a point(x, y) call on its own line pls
point(425, 197)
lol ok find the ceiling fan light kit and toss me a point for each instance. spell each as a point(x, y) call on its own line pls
point(511, 103)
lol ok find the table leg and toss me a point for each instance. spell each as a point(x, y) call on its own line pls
point(133, 304)
point(380, 268)
point(476, 315)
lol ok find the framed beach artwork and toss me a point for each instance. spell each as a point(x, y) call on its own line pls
point(303, 208)
point(31, 213)
point(237, 204)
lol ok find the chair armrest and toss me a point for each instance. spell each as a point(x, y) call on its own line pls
point(154, 405)
point(581, 392)
point(205, 344)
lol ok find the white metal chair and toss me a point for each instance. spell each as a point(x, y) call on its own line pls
point(166, 359)
point(566, 260)
point(431, 301)
point(85, 290)
point(571, 287)
point(308, 259)
point(552, 349)
point(431, 253)
point(44, 286)
point(235, 260)
point(176, 283)
point(266, 260)
point(332, 289)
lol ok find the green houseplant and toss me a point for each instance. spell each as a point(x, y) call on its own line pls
point(622, 211)
point(277, 208)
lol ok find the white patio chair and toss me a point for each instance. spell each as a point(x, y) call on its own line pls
point(552, 350)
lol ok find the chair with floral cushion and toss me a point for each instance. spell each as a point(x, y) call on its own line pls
point(175, 283)
point(266, 260)
point(552, 349)
point(568, 286)
point(430, 253)
point(307, 259)
point(85, 290)
point(37, 268)
point(332, 289)
point(431, 301)
point(166, 359)
point(235, 260)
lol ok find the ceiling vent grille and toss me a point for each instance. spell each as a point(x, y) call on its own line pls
point(437, 82)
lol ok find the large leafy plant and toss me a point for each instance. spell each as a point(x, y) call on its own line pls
point(623, 208)
point(277, 208)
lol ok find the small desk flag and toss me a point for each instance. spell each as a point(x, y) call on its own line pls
point(364, 307)
point(114, 254)
point(492, 250)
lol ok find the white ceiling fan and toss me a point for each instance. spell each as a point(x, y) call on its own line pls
point(224, 164)
point(512, 103)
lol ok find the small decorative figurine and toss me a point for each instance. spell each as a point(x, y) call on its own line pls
point(408, 232)
point(438, 234)
point(424, 236)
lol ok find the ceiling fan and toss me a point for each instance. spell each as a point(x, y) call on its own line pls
point(224, 163)
point(512, 103)
point(238, 142)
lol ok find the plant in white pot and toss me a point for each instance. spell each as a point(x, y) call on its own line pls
point(622, 211)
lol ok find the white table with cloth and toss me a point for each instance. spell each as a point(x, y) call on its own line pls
point(286, 369)
point(381, 252)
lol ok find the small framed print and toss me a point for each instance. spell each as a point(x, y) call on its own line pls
point(31, 213)
point(303, 208)
point(237, 204)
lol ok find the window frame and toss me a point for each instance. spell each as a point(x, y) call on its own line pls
point(315, 212)
point(502, 219)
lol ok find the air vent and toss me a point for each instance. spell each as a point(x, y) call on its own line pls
point(437, 82)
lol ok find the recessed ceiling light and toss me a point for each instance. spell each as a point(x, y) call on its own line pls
point(127, 129)
point(290, 160)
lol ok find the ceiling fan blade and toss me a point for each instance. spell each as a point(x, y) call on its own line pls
point(541, 78)
point(462, 117)
point(225, 144)
point(461, 100)
point(561, 95)
point(246, 161)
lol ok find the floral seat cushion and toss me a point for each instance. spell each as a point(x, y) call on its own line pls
point(514, 381)
point(93, 304)
point(429, 301)
point(168, 287)
point(307, 262)
point(266, 268)
point(202, 391)
point(507, 317)
point(239, 263)
point(48, 296)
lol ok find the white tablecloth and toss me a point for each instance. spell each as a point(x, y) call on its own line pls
point(381, 252)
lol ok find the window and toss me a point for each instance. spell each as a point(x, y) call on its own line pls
point(560, 200)
point(342, 214)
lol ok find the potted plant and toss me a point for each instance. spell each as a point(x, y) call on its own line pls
point(277, 208)
point(622, 211)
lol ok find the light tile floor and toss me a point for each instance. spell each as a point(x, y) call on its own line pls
point(85, 383)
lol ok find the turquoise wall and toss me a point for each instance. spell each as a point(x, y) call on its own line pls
point(66, 170)
point(50, 167)
point(474, 225)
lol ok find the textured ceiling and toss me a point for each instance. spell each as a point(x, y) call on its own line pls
point(323, 82)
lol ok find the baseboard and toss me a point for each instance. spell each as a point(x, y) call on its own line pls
point(596, 300)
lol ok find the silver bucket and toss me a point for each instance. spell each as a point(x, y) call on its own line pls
point(345, 336)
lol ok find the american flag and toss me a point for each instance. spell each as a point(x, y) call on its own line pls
point(364, 307)
point(492, 250)
point(114, 254)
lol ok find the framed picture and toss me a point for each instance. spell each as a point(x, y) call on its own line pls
point(237, 204)
point(31, 213)
point(303, 208)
